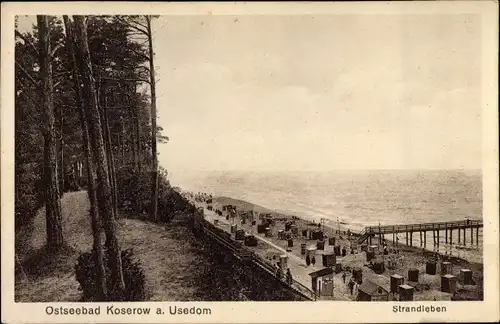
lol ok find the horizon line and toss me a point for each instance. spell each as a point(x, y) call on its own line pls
point(330, 170)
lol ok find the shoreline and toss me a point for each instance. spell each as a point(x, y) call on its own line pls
point(399, 260)
point(466, 254)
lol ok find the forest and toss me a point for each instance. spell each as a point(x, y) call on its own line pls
point(85, 120)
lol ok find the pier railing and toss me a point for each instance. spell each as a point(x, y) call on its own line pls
point(389, 229)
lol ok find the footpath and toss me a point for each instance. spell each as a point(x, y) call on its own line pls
point(297, 265)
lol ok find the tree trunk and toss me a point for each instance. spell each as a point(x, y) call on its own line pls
point(154, 172)
point(104, 194)
point(138, 147)
point(109, 150)
point(61, 151)
point(52, 199)
point(91, 184)
point(133, 144)
point(122, 140)
point(102, 102)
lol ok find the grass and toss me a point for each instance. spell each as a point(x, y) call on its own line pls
point(169, 254)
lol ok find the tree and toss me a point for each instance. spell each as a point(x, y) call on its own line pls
point(141, 26)
point(104, 194)
point(29, 145)
point(91, 184)
point(154, 173)
point(123, 70)
point(52, 199)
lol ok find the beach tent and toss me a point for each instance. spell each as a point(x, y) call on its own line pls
point(370, 291)
point(322, 282)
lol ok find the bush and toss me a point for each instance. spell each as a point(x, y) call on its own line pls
point(134, 195)
point(29, 189)
point(133, 274)
point(131, 191)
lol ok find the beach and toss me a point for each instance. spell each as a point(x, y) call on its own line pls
point(399, 260)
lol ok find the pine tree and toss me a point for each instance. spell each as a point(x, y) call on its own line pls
point(91, 185)
point(104, 193)
point(52, 199)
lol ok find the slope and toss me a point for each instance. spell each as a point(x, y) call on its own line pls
point(169, 254)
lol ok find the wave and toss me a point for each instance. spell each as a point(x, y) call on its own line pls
point(356, 198)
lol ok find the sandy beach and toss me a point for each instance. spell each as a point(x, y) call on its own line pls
point(399, 259)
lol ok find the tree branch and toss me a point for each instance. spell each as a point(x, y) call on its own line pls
point(26, 73)
point(33, 101)
point(132, 26)
point(26, 40)
point(138, 23)
point(143, 67)
point(147, 58)
point(122, 68)
point(58, 74)
point(58, 46)
point(119, 107)
point(129, 80)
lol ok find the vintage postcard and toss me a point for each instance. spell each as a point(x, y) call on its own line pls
point(279, 162)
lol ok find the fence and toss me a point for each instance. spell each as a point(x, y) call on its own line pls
point(242, 253)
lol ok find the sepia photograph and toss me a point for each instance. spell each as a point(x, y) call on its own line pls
point(308, 157)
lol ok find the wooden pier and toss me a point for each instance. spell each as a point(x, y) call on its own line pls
point(459, 227)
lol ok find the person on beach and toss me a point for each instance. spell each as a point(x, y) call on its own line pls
point(351, 285)
point(308, 260)
point(344, 275)
point(313, 260)
point(289, 276)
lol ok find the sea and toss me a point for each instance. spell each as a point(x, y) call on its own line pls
point(351, 198)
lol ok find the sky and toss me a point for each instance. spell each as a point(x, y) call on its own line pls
point(258, 92)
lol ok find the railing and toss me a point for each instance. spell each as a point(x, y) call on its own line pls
point(303, 290)
point(387, 229)
point(240, 253)
point(362, 236)
point(297, 286)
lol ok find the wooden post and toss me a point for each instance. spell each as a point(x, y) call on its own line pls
point(472, 236)
point(477, 235)
point(446, 235)
point(451, 237)
point(434, 238)
point(420, 235)
point(425, 239)
point(437, 238)
point(459, 235)
point(406, 238)
point(465, 240)
point(411, 238)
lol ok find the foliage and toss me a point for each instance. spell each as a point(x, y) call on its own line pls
point(119, 65)
point(133, 274)
point(134, 197)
